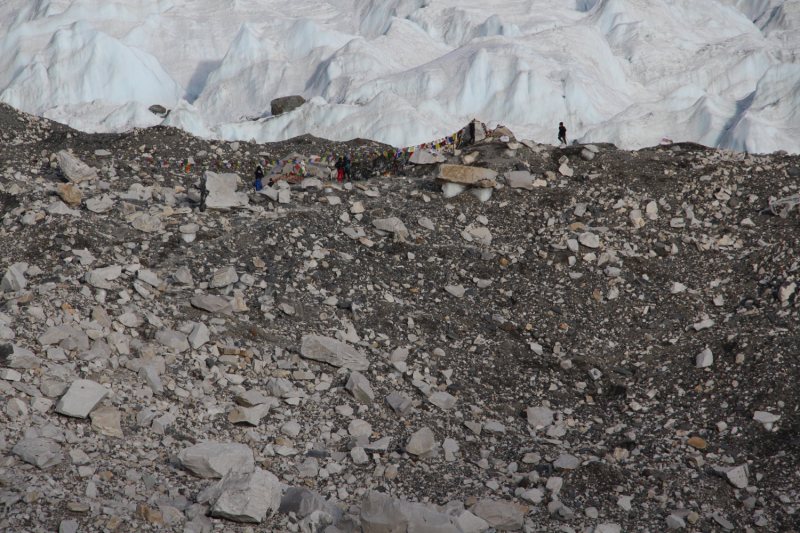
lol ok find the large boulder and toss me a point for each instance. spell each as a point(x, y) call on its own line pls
point(221, 190)
point(502, 516)
point(73, 168)
point(12, 356)
point(243, 497)
point(381, 513)
point(333, 352)
point(463, 175)
point(302, 502)
point(43, 453)
point(426, 157)
point(215, 459)
point(14, 278)
point(83, 396)
point(285, 104)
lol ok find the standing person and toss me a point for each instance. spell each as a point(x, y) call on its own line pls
point(339, 169)
point(472, 132)
point(203, 194)
point(348, 166)
point(259, 175)
point(562, 133)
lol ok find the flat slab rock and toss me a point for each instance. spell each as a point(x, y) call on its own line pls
point(463, 175)
point(333, 352)
point(502, 516)
point(215, 459)
point(81, 397)
point(212, 304)
point(41, 452)
point(381, 513)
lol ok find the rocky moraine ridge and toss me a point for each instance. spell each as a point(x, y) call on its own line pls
point(585, 340)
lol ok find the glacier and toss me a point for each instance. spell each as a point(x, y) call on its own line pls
point(724, 73)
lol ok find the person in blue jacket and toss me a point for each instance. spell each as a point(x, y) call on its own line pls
point(259, 174)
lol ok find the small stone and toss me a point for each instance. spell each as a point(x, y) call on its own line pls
point(106, 420)
point(590, 240)
point(421, 442)
point(738, 476)
point(456, 290)
point(68, 526)
point(400, 404)
point(149, 374)
point(70, 194)
point(360, 388)
point(223, 277)
point(442, 400)
point(359, 456)
point(697, 442)
point(766, 419)
point(199, 336)
point(675, 522)
point(704, 359)
point(359, 428)
point(539, 417)
point(566, 462)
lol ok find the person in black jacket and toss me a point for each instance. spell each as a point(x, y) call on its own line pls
point(259, 176)
point(562, 133)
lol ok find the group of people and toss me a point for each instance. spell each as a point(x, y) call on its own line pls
point(343, 166)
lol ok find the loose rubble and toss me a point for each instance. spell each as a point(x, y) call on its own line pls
point(588, 340)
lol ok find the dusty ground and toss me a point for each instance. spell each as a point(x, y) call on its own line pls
point(629, 427)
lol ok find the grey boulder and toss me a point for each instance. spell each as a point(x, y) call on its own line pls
point(74, 169)
point(243, 497)
point(381, 513)
point(81, 397)
point(333, 352)
point(360, 388)
point(223, 277)
point(215, 459)
point(221, 190)
point(539, 417)
point(41, 452)
point(502, 516)
point(212, 304)
point(175, 340)
point(14, 279)
point(303, 502)
point(12, 356)
point(423, 441)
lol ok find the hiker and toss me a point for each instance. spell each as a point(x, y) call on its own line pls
point(562, 133)
point(339, 169)
point(259, 174)
point(348, 166)
point(203, 195)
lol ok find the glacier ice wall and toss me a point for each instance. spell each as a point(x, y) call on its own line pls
point(720, 72)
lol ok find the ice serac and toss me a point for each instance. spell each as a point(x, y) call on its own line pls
point(83, 64)
point(333, 352)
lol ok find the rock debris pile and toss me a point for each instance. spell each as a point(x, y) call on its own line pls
point(511, 337)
